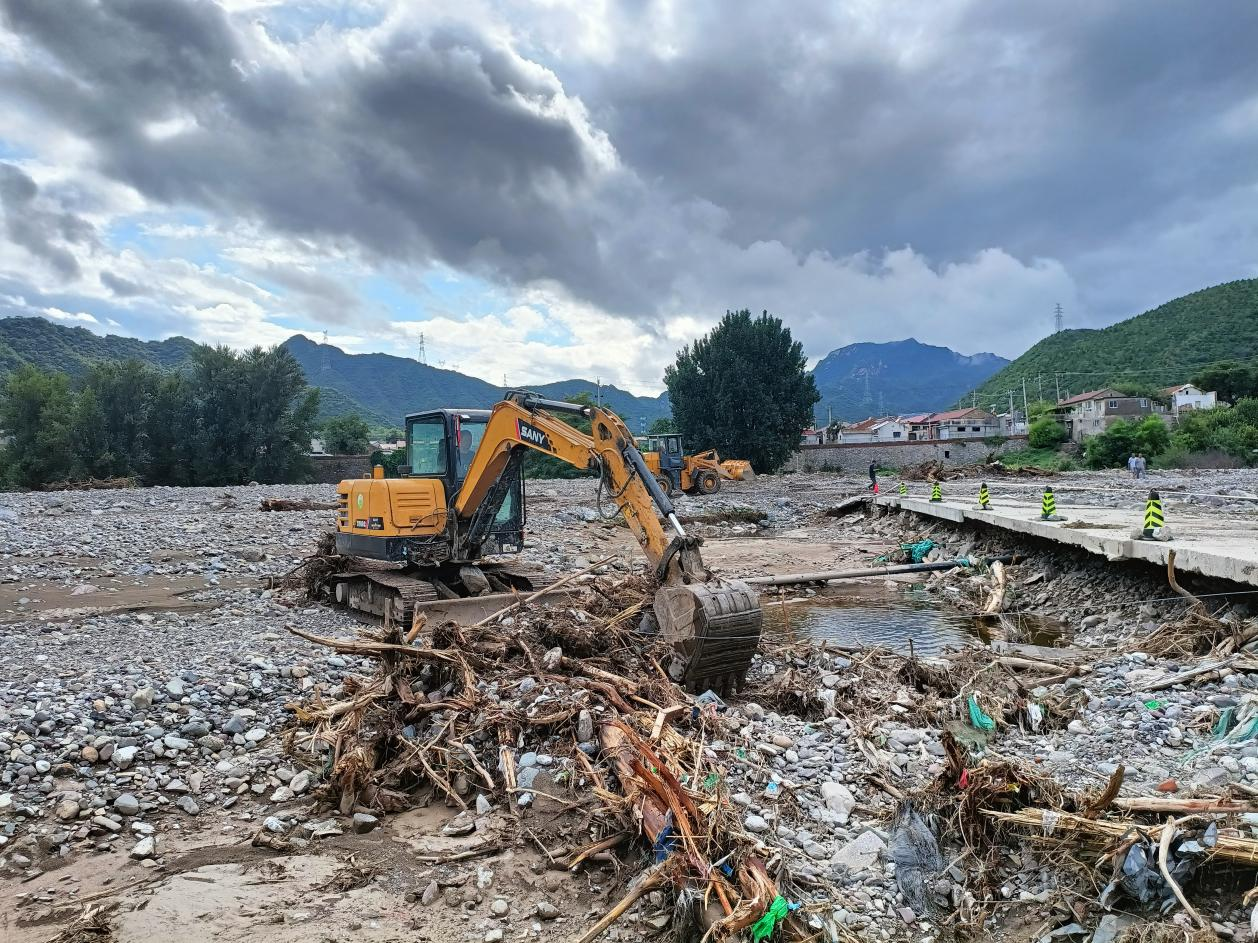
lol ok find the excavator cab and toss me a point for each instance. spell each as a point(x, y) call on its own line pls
point(440, 445)
point(407, 519)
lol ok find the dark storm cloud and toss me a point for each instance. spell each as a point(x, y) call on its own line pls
point(1078, 132)
point(121, 287)
point(437, 146)
point(325, 299)
point(1044, 129)
point(36, 227)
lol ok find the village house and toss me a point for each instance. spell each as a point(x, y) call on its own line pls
point(1092, 413)
point(972, 423)
point(1187, 398)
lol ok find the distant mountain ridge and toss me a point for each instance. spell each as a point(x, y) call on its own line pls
point(385, 387)
point(1161, 347)
point(49, 346)
point(379, 387)
point(900, 378)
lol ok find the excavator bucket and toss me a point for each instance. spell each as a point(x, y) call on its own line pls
point(714, 627)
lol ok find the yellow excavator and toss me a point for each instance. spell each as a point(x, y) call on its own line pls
point(461, 497)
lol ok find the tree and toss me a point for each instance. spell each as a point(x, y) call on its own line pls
point(662, 426)
point(744, 390)
point(231, 418)
point(1231, 380)
point(1045, 433)
point(36, 411)
point(346, 435)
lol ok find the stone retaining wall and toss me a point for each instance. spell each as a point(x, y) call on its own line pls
point(854, 458)
point(330, 469)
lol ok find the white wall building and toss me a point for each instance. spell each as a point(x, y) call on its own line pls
point(1186, 398)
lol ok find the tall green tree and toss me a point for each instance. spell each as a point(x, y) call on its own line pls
point(36, 412)
point(346, 435)
point(1230, 379)
point(662, 426)
point(743, 389)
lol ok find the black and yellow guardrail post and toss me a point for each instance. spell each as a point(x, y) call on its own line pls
point(936, 493)
point(904, 490)
point(1048, 506)
point(984, 499)
point(1154, 519)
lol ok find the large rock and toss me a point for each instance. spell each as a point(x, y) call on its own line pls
point(861, 853)
point(839, 800)
point(127, 804)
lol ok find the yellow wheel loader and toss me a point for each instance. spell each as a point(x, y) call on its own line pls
point(418, 539)
point(700, 473)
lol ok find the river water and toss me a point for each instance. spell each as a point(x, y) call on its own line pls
point(860, 616)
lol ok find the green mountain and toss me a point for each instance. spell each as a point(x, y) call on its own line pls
point(383, 388)
point(72, 350)
point(1162, 347)
point(379, 387)
point(900, 378)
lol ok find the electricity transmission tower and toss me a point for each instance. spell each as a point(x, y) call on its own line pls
point(423, 354)
point(1058, 318)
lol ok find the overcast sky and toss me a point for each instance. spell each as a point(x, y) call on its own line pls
point(576, 187)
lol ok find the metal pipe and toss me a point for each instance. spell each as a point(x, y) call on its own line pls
point(828, 576)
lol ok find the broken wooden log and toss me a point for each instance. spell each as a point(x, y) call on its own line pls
point(303, 504)
point(1051, 823)
point(830, 576)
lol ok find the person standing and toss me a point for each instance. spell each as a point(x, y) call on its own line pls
point(1131, 465)
point(873, 477)
point(1141, 466)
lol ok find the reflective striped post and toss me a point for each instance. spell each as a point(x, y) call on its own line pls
point(984, 500)
point(904, 489)
point(1154, 521)
point(936, 493)
point(1048, 506)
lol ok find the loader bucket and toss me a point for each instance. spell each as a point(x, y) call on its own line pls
point(737, 469)
point(714, 628)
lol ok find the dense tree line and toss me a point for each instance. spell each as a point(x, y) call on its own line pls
point(224, 418)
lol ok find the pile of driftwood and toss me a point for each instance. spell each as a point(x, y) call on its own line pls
point(303, 504)
point(452, 710)
point(92, 484)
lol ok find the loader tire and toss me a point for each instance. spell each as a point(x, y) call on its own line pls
point(709, 482)
point(666, 485)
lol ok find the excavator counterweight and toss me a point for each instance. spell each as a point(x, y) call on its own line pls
point(420, 539)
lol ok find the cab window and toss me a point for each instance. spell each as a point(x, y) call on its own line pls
point(674, 445)
point(468, 435)
point(427, 447)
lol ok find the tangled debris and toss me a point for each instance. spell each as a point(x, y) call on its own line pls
point(565, 702)
point(937, 471)
point(301, 504)
point(92, 484)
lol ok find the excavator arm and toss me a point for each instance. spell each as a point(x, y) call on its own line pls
point(714, 625)
point(524, 420)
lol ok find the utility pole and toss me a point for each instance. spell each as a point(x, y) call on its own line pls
point(599, 381)
point(423, 354)
point(325, 360)
point(1011, 415)
point(1058, 318)
point(1025, 410)
point(1057, 380)
point(1040, 381)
